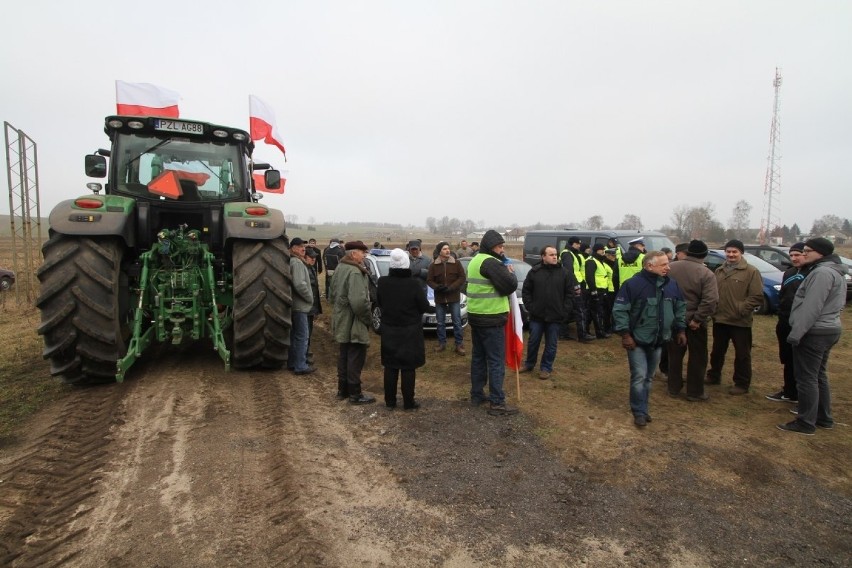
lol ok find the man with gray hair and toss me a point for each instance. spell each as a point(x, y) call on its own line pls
point(649, 309)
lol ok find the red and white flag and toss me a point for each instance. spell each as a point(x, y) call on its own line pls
point(145, 99)
point(262, 123)
point(514, 335)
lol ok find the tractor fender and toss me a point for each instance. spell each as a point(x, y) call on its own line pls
point(239, 224)
point(114, 217)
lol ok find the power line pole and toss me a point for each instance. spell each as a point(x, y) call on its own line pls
point(24, 209)
point(772, 185)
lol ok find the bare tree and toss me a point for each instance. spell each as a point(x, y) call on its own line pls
point(594, 223)
point(630, 221)
point(825, 223)
point(432, 225)
point(739, 222)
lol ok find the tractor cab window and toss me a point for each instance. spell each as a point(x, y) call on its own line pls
point(178, 168)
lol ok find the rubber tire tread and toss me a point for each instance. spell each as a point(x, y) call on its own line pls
point(79, 301)
point(262, 304)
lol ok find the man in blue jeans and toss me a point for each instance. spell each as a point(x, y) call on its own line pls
point(549, 298)
point(490, 281)
point(648, 309)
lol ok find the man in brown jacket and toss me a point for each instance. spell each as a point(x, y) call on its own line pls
point(447, 278)
point(740, 293)
point(698, 285)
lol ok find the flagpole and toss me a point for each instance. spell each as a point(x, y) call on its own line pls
point(518, 382)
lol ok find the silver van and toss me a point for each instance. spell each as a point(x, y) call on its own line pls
point(535, 240)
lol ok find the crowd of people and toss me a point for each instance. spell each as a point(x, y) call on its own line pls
point(660, 303)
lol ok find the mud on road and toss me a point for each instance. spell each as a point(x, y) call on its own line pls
point(186, 465)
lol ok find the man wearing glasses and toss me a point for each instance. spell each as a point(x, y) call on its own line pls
point(814, 329)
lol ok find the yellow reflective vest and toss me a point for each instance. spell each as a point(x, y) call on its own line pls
point(626, 271)
point(482, 297)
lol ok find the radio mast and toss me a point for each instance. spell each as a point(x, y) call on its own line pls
point(772, 185)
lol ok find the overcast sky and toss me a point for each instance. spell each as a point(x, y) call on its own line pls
point(496, 111)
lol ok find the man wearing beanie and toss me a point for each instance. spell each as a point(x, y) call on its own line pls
point(303, 303)
point(789, 284)
point(489, 284)
point(740, 293)
point(698, 285)
point(814, 329)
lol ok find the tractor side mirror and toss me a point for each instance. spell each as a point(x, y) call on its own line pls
point(96, 166)
point(272, 179)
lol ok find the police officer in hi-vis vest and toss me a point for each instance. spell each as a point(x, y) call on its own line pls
point(574, 260)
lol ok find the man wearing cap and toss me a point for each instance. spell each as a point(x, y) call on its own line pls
point(790, 282)
point(419, 263)
point(350, 321)
point(630, 263)
point(490, 281)
point(698, 285)
point(598, 277)
point(815, 328)
point(303, 303)
point(312, 246)
point(740, 293)
point(611, 260)
point(331, 256)
point(574, 260)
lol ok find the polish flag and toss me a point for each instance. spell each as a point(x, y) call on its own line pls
point(260, 184)
point(514, 335)
point(145, 99)
point(262, 123)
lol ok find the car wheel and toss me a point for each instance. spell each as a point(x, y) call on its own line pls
point(376, 319)
point(5, 283)
point(763, 308)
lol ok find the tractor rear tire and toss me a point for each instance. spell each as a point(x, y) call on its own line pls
point(84, 307)
point(262, 304)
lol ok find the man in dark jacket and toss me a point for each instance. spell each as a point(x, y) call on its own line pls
point(648, 309)
point(418, 261)
point(574, 260)
point(548, 294)
point(331, 257)
point(814, 329)
point(698, 285)
point(490, 281)
point(789, 284)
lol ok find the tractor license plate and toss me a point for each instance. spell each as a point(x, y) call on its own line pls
point(178, 126)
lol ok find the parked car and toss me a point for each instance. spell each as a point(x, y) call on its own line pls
point(771, 278)
point(848, 277)
point(521, 270)
point(7, 279)
point(534, 241)
point(779, 257)
point(377, 263)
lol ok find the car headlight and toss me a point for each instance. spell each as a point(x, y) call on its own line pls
point(777, 287)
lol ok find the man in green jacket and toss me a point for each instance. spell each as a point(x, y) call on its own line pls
point(740, 293)
point(350, 321)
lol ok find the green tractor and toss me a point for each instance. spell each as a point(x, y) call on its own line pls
point(177, 248)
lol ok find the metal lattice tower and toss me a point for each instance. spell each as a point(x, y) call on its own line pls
point(772, 186)
point(24, 209)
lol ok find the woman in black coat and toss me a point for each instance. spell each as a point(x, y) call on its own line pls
point(403, 302)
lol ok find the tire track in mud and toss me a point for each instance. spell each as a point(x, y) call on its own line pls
point(295, 541)
point(51, 485)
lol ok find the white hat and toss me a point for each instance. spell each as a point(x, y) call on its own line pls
point(399, 259)
point(637, 241)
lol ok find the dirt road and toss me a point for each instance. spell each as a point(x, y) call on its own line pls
point(186, 465)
